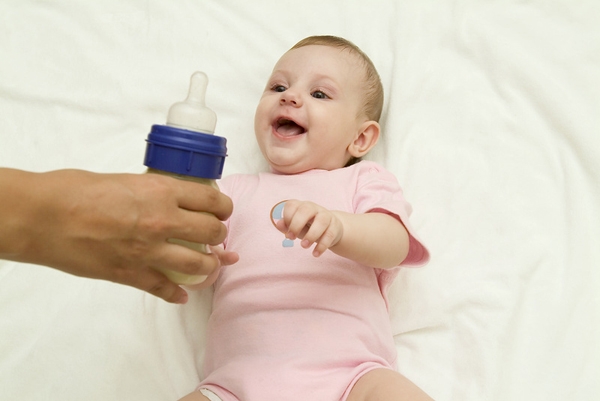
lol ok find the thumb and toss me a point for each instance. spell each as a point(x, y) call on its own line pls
point(225, 257)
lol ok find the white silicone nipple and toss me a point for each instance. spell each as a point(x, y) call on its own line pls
point(192, 113)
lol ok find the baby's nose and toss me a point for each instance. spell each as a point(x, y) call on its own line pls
point(291, 98)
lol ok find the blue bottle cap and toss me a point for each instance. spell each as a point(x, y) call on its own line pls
point(185, 152)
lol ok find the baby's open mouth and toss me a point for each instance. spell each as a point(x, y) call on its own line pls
point(287, 127)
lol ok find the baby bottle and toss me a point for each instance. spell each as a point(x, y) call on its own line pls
point(186, 148)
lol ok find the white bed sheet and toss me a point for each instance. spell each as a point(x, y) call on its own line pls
point(491, 124)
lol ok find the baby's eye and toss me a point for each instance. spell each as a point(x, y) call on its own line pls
point(319, 95)
point(278, 88)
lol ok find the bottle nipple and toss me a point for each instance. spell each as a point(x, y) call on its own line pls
point(192, 114)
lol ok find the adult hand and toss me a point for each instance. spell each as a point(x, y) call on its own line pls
point(111, 226)
point(226, 258)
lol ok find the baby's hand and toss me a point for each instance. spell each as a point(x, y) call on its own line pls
point(312, 224)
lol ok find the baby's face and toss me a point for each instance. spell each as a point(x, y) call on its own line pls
point(309, 112)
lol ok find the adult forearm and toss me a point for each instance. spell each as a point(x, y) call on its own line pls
point(16, 212)
point(114, 227)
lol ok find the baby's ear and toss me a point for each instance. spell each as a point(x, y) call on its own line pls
point(365, 139)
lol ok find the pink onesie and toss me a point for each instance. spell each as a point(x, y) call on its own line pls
point(288, 326)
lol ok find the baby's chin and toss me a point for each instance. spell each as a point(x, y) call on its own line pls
point(287, 170)
point(280, 164)
point(285, 166)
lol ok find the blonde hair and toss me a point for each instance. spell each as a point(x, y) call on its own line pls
point(373, 101)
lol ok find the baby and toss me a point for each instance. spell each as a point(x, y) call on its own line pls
point(287, 323)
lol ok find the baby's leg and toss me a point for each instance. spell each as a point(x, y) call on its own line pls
point(386, 385)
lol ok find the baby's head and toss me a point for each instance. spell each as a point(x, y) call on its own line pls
point(320, 108)
point(373, 90)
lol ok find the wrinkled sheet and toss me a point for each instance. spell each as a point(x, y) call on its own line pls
point(491, 124)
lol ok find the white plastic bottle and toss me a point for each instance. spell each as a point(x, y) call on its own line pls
point(186, 148)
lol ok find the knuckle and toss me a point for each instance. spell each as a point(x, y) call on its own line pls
point(153, 224)
point(218, 203)
point(157, 287)
point(304, 207)
point(160, 289)
point(211, 195)
point(329, 236)
point(137, 250)
point(158, 185)
point(327, 239)
point(224, 212)
point(215, 231)
point(203, 264)
point(292, 207)
point(122, 275)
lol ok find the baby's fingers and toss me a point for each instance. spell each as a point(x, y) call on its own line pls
point(323, 231)
point(298, 220)
point(281, 226)
point(326, 241)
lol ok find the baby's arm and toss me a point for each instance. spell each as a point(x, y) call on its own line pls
point(373, 239)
